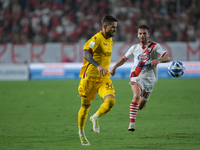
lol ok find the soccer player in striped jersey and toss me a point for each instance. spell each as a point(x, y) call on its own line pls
point(147, 55)
point(95, 76)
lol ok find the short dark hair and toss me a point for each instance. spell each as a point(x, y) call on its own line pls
point(143, 26)
point(108, 19)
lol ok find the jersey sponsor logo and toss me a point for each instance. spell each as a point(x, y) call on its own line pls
point(144, 57)
point(91, 44)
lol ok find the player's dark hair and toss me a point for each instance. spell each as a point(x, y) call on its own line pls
point(108, 19)
point(143, 26)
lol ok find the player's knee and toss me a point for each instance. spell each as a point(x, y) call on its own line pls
point(85, 103)
point(110, 100)
point(85, 106)
point(136, 98)
point(84, 109)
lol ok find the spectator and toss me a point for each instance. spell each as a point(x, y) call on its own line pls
point(70, 20)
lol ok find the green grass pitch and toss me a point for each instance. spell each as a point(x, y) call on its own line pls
point(42, 115)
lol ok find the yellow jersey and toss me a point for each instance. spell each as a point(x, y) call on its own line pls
point(101, 49)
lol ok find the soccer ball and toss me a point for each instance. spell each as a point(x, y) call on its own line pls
point(176, 68)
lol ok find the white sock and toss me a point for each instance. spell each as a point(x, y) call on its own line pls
point(95, 116)
point(81, 132)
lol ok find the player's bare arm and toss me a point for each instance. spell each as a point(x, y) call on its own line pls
point(164, 59)
point(89, 58)
point(119, 63)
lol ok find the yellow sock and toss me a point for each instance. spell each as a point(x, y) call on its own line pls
point(106, 106)
point(82, 116)
point(83, 113)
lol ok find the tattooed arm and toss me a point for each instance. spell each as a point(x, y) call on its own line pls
point(89, 58)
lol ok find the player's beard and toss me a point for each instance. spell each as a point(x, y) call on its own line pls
point(144, 41)
point(110, 34)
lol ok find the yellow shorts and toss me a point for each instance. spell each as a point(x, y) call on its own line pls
point(89, 89)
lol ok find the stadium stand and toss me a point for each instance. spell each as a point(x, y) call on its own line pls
point(41, 21)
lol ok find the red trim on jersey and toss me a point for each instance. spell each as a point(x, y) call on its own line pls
point(164, 54)
point(143, 47)
point(125, 57)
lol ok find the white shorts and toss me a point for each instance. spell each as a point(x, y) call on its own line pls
point(145, 85)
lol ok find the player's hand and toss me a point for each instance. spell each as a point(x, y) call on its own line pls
point(102, 71)
point(112, 72)
point(154, 63)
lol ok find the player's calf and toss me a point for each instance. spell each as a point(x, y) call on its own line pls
point(142, 104)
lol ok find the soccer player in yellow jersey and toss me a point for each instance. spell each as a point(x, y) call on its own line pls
point(95, 77)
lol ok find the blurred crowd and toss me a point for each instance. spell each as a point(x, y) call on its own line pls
point(37, 21)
